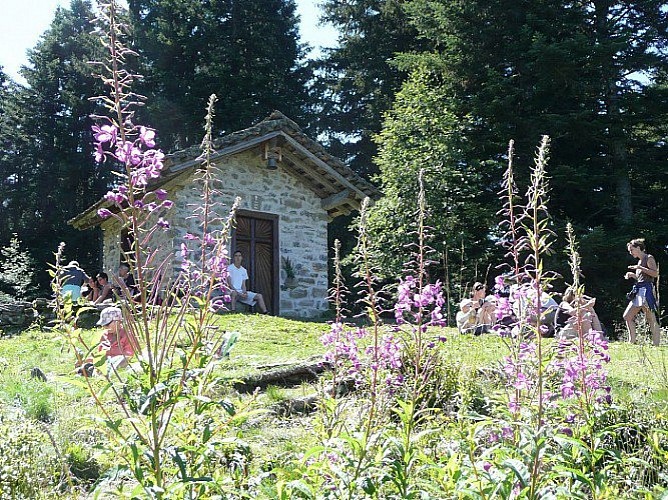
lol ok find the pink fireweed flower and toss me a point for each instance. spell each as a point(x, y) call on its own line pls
point(521, 381)
point(415, 302)
point(503, 308)
point(163, 223)
point(99, 153)
point(185, 263)
point(507, 432)
point(209, 240)
point(153, 161)
point(147, 137)
point(115, 197)
point(582, 368)
point(105, 133)
point(104, 213)
point(160, 194)
point(218, 265)
point(139, 178)
point(128, 153)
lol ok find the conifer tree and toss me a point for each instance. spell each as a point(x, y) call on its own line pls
point(55, 176)
point(16, 272)
point(589, 75)
point(355, 82)
point(246, 52)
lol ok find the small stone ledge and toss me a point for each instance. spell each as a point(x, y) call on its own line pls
point(17, 316)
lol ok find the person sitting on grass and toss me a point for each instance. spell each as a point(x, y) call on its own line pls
point(485, 308)
point(477, 314)
point(567, 315)
point(237, 278)
point(466, 317)
point(118, 344)
point(92, 292)
point(106, 290)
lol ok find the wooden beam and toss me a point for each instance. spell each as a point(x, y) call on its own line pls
point(328, 168)
point(230, 150)
point(336, 199)
point(310, 173)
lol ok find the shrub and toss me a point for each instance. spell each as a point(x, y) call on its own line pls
point(16, 273)
point(26, 471)
point(81, 464)
point(33, 396)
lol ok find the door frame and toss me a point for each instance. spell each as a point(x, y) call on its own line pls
point(276, 261)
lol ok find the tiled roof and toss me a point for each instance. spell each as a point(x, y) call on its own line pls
point(339, 187)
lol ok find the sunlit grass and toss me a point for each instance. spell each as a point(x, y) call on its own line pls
point(636, 373)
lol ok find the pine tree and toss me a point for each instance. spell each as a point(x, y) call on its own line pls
point(55, 175)
point(356, 81)
point(16, 272)
point(589, 75)
point(420, 133)
point(246, 52)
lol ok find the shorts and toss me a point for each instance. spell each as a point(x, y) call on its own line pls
point(74, 291)
point(249, 300)
point(640, 299)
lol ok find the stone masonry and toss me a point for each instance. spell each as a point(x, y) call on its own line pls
point(302, 225)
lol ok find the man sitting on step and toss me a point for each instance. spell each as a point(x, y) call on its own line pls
point(238, 276)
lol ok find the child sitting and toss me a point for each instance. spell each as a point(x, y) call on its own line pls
point(118, 344)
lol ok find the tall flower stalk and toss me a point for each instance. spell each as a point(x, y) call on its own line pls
point(340, 352)
point(419, 305)
point(538, 241)
point(171, 316)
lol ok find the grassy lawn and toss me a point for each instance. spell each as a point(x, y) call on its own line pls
point(637, 373)
point(267, 342)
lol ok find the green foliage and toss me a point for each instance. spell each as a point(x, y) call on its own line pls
point(421, 132)
point(16, 272)
point(246, 52)
point(25, 470)
point(81, 463)
point(519, 70)
point(356, 81)
point(255, 459)
point(47, 168)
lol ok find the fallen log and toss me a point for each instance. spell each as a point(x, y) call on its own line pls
point(309, 404)
point(289, 376)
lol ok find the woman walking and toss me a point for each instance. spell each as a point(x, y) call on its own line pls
point(642, 295)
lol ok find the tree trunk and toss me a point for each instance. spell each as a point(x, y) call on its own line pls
point(617, 139)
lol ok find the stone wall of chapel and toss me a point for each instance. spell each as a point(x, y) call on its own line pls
point(302, 226)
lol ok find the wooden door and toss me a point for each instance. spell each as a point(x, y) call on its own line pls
point(256, 237)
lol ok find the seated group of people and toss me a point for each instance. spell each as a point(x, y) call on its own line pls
point(77, 283)
point(479, 313)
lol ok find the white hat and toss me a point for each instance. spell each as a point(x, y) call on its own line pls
point(466, 302)
point(108, 315)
